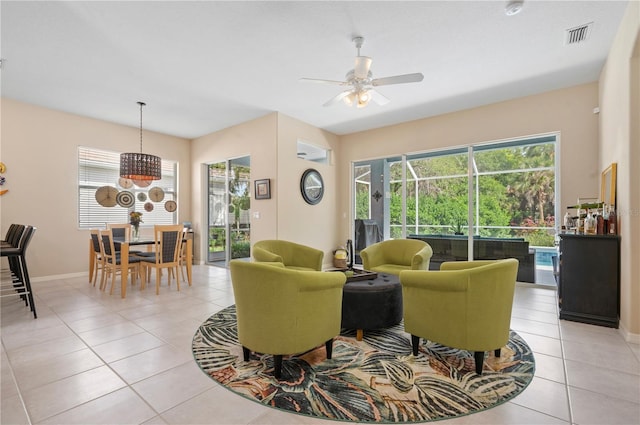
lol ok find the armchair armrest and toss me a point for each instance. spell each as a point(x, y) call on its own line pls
point(420, 260)
point(262, 255)
point(372, 256)
point(320, 281)
point(306, 256)
point(449, 281)
point(463, 265)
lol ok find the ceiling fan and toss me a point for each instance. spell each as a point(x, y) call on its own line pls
point(361, 82)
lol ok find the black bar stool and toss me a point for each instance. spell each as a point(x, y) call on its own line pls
point(18, 283)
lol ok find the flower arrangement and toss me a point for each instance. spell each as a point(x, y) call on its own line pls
point(135, 218)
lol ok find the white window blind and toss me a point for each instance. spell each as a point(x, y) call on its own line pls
point(97, 168)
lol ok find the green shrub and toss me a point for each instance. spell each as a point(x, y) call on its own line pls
point(240, 249)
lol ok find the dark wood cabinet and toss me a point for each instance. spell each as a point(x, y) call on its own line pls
point(589, 283)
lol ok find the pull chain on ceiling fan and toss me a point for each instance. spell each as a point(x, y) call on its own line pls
point(361, 82)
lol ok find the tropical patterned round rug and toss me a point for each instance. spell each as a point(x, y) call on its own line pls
point(373, 380)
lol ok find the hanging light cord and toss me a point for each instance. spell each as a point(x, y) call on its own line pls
point(141, 105)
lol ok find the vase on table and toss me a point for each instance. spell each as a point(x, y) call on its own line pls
point(135, 232)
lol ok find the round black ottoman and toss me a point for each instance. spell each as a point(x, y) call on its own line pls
point(372, 304)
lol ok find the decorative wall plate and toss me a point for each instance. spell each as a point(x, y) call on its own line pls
point(106, 196)
point(125, 183)
point(142, 196)
point(125, 199)
point(142, 183)
point(156, 194)
point(148, 207)
point(170, 206)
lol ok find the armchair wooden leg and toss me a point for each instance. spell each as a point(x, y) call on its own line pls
point(479, 358)
point(497, 352)
point(329, 346)
point(246, 353)
point(277, 365)
point(415, 343)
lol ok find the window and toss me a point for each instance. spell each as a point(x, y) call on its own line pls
point(313, 153)
point(98, 168)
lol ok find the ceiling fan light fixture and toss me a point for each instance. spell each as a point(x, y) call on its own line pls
point(349, 99)
point(363, 98)
point(361, 84)
point(140, 166)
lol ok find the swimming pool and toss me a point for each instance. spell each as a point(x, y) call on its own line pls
point(544, 254)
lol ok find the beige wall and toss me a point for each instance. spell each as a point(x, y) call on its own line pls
point(314, 225)
point(568, 111)
point(620, 143)
point(39, 147)
point(257, 139)
point(271, 142)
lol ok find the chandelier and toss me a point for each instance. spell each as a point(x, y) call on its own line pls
point(140, 166)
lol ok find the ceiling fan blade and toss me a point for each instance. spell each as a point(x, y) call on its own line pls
point(316, 80)
point(398, 79)
point(337, 98)
point(379, 98)
point(361, 69)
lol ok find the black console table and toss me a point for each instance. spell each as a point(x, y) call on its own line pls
point(589, 284)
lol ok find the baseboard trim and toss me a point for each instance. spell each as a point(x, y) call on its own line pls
point(58, 277)
point(628, 336)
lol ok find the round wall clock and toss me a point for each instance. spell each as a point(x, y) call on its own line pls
point(170, 206)
point(125, 199)
point(125, 183)
point(311, 186)
point(106, 196)
point(142, 183)
point(156, 194)
point(148, 206)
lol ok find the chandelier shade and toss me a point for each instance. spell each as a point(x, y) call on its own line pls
point(140, 166)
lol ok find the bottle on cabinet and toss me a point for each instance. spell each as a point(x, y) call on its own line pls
point(589, 224)
point(613, 222)
point(600, 224)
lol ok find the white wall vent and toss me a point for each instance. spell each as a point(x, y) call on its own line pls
point(578, 34)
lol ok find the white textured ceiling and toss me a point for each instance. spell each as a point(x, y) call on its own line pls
point(204, 66)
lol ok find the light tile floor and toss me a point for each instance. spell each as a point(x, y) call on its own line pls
point(92, 358)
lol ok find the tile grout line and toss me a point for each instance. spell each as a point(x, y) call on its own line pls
point(15, 383)
point(564, 367)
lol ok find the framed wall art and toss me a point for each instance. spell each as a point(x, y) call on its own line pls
point(262, 189)
point(608, 185)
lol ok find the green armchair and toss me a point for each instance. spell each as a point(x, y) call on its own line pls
point(466, 305)
point(292, 255)
point(395, 255)
point(282, 311)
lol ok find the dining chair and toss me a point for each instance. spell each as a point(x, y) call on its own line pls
point(112, 264)
point(183, 254)
point(168, 247)
point(120, 230)
point(97, 257)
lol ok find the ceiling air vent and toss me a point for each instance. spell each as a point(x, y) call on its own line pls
point(578, 34)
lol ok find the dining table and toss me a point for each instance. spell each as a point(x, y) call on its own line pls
point(124, 245)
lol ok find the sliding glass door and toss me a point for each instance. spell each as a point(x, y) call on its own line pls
point(229, 210)
point(496, 190)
